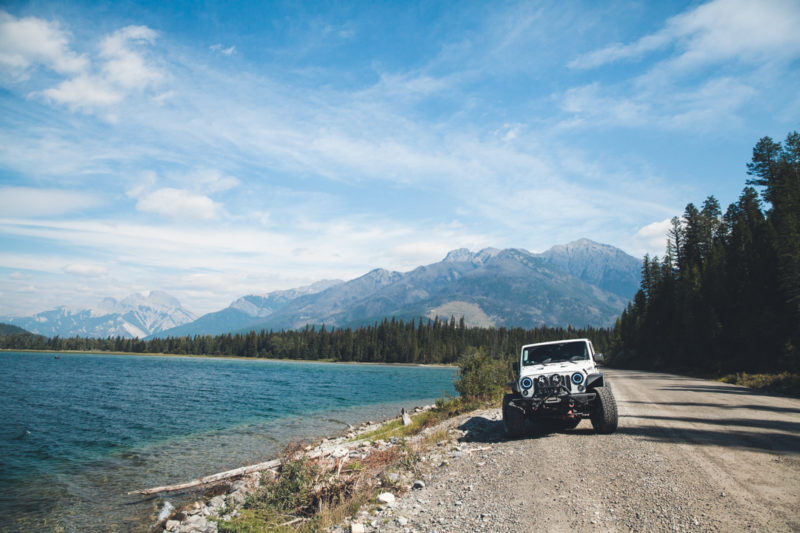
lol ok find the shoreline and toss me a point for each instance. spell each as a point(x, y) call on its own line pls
point(223, 500)
point(233, 357)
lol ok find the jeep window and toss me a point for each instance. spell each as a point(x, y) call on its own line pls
point(555, 353)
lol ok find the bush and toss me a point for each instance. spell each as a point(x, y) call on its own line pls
point(481, 377)
point(783, 382)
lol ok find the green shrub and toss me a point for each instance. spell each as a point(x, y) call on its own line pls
point(784, 382)
point(480, 377)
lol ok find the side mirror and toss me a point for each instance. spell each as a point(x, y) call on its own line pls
point(515, 367)
point(598, 357)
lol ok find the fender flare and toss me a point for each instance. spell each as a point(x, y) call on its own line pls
point(594, 380)
point(513, 385)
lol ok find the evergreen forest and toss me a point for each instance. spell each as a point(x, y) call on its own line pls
point(725, 297)
point(421, 341)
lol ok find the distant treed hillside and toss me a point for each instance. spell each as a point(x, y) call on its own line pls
point(8, 329)
point(391, 341)
point(726, 295)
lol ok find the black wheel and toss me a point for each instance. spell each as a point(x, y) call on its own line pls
point(513, 418)
point(604, 411)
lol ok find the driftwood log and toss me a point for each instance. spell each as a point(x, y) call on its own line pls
point(275, 463)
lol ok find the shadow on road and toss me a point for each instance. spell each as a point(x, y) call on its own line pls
point(720, 389)
point(774, 442)
point(778, 425)
point(481, 429)
point(770, 408)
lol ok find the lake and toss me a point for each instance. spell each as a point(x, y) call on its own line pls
point(80, 430)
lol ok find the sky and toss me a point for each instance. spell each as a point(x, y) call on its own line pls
point(217, 149)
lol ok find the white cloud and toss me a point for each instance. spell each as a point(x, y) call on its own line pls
point(125, 67)
point(703, 107)
point(27, 201)
point(179, 204)
point(720, 30)
point(212, 181)
point(30, 41)
point(652, 238)
point(84, 93)
point(119, 70)
point(88, 270)
point(225, 51)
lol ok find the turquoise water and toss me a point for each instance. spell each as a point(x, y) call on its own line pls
point(81, 430)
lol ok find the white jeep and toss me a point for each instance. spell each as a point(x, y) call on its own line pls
point(558, 386)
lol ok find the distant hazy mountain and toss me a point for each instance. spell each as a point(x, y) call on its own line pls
point(244, 312)
point(581, 283)
point(135, 316)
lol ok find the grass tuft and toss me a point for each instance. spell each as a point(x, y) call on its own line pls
point(783, 382)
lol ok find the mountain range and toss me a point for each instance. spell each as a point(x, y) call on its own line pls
point(580, 283)
point(135, 316)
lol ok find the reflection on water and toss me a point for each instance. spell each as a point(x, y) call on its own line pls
point(83, 430)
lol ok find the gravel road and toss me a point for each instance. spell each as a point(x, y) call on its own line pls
point(689, 455)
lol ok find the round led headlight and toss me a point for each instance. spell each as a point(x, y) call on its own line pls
point(555, 380)
point(526, 382)
point(577, 378)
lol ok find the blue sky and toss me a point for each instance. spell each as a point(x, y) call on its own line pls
point(213, 150)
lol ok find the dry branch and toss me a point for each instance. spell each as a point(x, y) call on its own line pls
point(212, 478)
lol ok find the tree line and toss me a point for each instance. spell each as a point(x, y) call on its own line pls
point(420, 341)
point(725, 297)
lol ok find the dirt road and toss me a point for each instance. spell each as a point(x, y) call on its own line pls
point(689, 455)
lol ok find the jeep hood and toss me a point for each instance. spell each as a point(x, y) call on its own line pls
point(560, 368)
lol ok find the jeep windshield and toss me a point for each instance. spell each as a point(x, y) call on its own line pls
point(561, 352)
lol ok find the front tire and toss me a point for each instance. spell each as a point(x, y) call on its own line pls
point(513, 418)
point(604, 412)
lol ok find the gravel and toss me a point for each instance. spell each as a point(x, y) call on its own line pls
point(690, 455)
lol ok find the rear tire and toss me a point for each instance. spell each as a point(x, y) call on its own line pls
point(604, 412)
point(513, 418)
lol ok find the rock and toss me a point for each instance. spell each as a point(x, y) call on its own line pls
point(394, 477)
point(216, 504)
point(401, 521)
point(418, 484)
point(198, 524)
point(165, 512)
point(172, 525)
point(357, 528)
point(386, 497)
point(238, 497)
